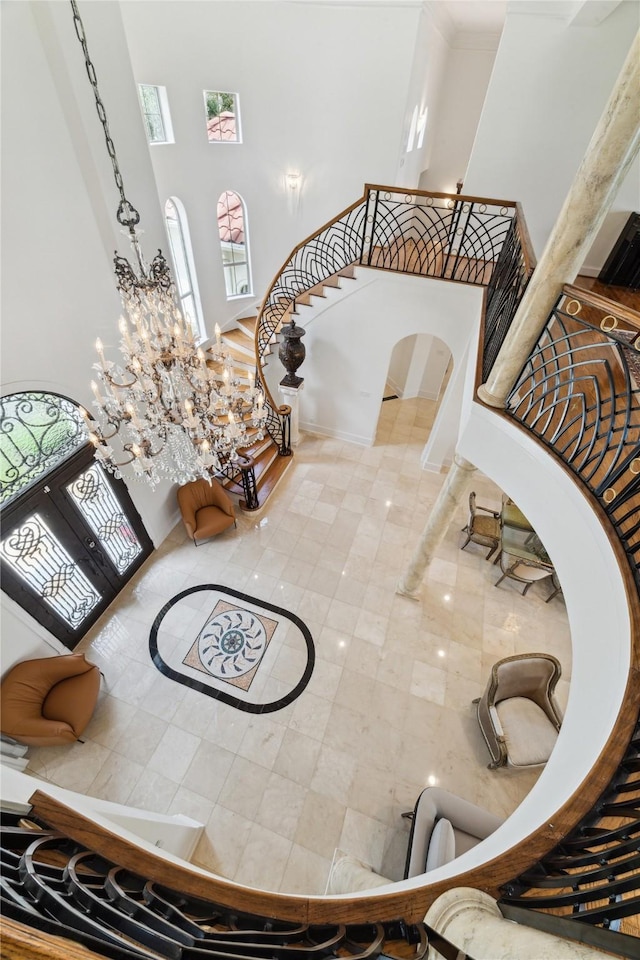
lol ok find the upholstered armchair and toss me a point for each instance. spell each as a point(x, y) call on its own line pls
point(518, 714)
point(483, 526)
point(49, 702)
point(444, 826)
point(206, 509)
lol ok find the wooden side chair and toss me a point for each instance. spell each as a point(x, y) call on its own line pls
point(483, 526)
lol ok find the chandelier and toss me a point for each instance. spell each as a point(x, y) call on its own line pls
point(174, 412)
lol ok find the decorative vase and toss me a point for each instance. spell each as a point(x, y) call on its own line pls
point(292, 353)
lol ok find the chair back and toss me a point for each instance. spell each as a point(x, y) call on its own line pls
point(531, 675)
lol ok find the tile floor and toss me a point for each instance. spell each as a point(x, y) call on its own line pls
point(388, 708)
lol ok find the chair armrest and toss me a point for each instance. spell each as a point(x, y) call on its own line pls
point(497, 726)
point(494, 513)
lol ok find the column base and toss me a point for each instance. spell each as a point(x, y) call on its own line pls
point(489, 398)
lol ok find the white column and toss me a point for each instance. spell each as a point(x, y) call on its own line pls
point(609, 155)
point(290, 396)
point(471, 920)
point(451, 493)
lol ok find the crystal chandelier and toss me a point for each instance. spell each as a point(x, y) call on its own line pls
point(174, 412)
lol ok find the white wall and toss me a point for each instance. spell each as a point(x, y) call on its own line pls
point(58, 219)
point(466, 79)
point(548, 89)
point(322, 89)
point(427, 71)
point(349, 346)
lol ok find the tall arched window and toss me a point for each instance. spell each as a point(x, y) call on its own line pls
point(185, 271)
point(232, 229)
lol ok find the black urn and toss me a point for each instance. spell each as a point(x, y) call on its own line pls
point(291, 353)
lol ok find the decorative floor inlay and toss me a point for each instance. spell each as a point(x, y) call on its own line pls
point(234, 649)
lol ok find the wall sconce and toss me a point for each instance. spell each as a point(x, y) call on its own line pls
point(293, 187)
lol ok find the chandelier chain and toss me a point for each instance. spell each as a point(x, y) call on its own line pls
point(126, 215)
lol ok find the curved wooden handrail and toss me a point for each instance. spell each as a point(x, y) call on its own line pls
point(591, 299)
point(525, 240)
point(265, 299)
point(455, 197)
point(410, 904)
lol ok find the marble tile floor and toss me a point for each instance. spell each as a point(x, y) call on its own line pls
point(388, 708)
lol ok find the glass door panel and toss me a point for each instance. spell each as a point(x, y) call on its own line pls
point(37, 556)
point(102, 511)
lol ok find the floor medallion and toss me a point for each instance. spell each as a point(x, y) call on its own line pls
point(226, 644)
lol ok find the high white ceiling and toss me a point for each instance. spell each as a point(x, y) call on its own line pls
point(475, 15)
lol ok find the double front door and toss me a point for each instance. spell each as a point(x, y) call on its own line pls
point(69, 544)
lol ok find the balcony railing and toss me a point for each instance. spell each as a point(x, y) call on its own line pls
point(579, 394)
point(445, 236)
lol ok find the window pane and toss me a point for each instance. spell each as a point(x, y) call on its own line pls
point(155, 127)
point(152, 110)
point(34, 553)
point(103, 513)
point(189, 312)
point(179, 256)
point(178, 233)
point(222, 116)
point(233, 246)
point(37, 432)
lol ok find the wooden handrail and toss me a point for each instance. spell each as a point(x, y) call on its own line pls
point(410, 904)
point(456, 197)
point(525, 240)
point(597, 300)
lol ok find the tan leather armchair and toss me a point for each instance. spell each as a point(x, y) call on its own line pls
point(518, 714)
point(206, 509)
point(49, 702)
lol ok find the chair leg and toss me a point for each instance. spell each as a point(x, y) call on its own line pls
point(526, 588)
point(488, 557)
point(468, 540)
point(408, 815)
point(498, 582)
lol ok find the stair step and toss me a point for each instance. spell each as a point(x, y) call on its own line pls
point(236, 356)
point(248, 324)
point(348, 272)
point(268, 467)
point(239, 340)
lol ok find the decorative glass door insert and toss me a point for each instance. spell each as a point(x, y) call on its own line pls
point(103, 513)
point(36, 555)
point(69, 544)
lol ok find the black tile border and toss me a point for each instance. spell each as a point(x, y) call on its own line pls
point(172, 674)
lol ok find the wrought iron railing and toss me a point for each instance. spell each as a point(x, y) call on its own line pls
point(588, 887)
point(579, 394)
point(509, 279)
point(446, 236)
point(62, 888)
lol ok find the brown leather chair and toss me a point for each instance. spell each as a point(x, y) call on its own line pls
point(49, 702)
point(206, 509)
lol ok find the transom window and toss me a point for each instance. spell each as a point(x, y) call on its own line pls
point(223, 117)
point(232, 229)
point(155, 110)
point(182, 254)
point(37, 432)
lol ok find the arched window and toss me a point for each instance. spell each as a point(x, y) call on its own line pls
point(71, 535)
point(185, 271)
point(232, 229)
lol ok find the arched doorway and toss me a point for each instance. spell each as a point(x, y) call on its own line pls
point(71, 535)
